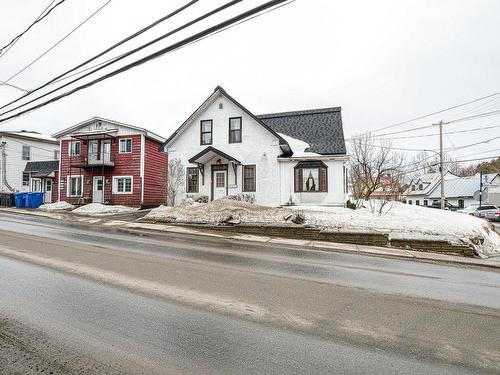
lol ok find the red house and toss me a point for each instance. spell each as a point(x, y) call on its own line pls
point(105, 161)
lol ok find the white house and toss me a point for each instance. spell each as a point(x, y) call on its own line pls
point(273, 159)
point(18, 148)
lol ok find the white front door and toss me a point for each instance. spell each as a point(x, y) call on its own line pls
point(220, 184)
point(47, 197)
point(98, 190)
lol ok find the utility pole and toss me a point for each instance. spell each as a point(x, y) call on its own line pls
point(441, 162)
point(480, 189)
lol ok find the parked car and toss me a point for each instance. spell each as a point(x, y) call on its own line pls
point(493, 215)
point(447, 206)
point(469, 210)
point(483, 210)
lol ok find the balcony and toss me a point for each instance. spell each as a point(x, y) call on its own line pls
point(93, 160)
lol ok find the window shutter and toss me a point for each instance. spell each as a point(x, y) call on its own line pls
point(298, 180)
point(323, 179)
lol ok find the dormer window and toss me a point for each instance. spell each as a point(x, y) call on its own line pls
point(206, 132)
point(412, 188)
point(235, 130)
point(421, 187)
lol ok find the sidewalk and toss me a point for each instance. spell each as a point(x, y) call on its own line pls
point(114, 221)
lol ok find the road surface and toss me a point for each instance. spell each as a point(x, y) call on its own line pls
point(94, 300)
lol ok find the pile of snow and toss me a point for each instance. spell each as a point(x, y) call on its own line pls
point(409, 221)
point(398, 220)
point(58, 206)
point(98, 209)
point(219, 211)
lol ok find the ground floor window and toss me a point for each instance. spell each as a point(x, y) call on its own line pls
point(461, 203)
point(249, 178)
point(26, 179)
point(36, 185)
point(192, 180)
point(410, 201)
point(426, 202)
point(122, 185)
point(74, 186)
point(417, 202)
point(311, 176)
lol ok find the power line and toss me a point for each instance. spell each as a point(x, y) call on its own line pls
point(453, 132)
point(119, 43)
point(44, 14)
point(434, 113)
point(172, 47)
point(4, 83)
point(55, 44)
point(480, 115)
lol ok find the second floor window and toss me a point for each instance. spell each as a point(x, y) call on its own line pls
point(125, 145)
point(74, 148)
point(56, 154)
point(206, 132)
point(26, 152)
point(235, 130)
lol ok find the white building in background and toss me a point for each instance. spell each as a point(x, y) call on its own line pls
point(16, 149)
point(274, 159)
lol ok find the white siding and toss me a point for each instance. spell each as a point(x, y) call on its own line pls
point(274, 179)
point(40, 151)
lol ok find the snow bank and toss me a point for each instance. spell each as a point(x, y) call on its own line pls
point(218, 211)
point(97, 209)
point(410, 221)
point(398, 220)
point(58, 206)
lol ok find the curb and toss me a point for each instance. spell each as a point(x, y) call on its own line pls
point(109, 221)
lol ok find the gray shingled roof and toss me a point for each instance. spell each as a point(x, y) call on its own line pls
point(42, 168)
point(321, 128)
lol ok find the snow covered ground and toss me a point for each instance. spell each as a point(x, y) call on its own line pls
point(399, 220)
point(98, 209)
point(58, 206)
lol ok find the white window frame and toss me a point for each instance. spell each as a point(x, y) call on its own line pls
point(24, 182)
point(124, 140)
point(115, 185)
point(71, 147)
point(28, 147)
point(32, 185)
point(57, 155)
point(68, 186)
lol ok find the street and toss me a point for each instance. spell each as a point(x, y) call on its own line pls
point(95, 300)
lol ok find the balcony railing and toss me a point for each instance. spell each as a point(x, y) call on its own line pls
point(103, 160)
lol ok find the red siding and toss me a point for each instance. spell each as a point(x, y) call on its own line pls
point(125, 164)
point(55, 187)
point(155, 174)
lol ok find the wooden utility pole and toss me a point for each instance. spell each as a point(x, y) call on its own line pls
point(441, 162)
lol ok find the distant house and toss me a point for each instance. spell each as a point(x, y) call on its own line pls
point(459, 191)
point(106, 161)
point(43, 178)
point(17, 148)
point(274, 159)
point(388, 189)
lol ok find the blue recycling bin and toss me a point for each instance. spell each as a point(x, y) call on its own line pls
point(27, 199)
point(20, 199)
point(36, 199)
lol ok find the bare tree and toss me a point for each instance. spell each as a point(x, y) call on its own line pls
point(175, 180)
point(373, 163)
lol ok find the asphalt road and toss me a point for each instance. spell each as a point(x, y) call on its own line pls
point(82, 299)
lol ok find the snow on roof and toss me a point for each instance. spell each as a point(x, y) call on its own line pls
point(298, 146)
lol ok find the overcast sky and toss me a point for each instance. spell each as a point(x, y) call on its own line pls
point(381, 61)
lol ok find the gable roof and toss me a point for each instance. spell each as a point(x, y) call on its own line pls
point(460, 187)
point(31, 135)
point(320, 128)
point(42, 168)
point(73, 128)
point(219, 90)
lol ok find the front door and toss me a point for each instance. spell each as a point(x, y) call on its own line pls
point(98, 190)
point(220, 184)
point(47, 197)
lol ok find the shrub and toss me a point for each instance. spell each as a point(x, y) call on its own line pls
point(350, 205)
point(299, 218)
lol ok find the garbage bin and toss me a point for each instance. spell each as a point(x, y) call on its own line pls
point(20, 199)
point(27, 199)
point(36, 199)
